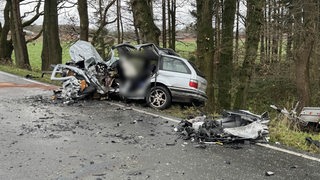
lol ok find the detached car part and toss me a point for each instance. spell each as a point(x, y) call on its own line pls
point(232, 126)
point(307, 115)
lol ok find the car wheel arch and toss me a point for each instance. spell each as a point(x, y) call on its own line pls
point(153, 84)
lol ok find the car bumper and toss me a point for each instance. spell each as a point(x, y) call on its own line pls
point(187, 95)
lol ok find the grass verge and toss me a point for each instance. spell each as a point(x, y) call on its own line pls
point(287, 133)
point(36, 75)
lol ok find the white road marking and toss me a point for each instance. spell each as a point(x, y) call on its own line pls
point(177, 121)
point(148, 113)
point(288, 152)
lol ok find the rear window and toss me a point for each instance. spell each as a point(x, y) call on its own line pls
point(174, 65)
point(199, 73)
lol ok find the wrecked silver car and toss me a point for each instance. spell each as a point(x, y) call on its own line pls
point(145, 71)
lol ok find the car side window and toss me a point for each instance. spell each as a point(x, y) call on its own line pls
point(174, 65)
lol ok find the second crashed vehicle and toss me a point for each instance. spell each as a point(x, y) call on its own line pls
point(144, 71)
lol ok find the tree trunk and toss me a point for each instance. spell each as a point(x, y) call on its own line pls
point(6, 46)
point(237, 38)
point(289, 27)
point(274, 34)
point(280, 33)
point(224, 73)
point(164, 23)
point(84, 20)
point(269, 35)
point(51, 49)
point(18, 38)
point(143, 18)
point(254, 23)
point(169, 23)
point(118, 20)
point(173, 25)
point(304, 42)
point(205, 46)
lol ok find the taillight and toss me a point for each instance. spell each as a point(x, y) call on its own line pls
point(193, 83)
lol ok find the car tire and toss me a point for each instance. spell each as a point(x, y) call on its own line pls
point(159, 97)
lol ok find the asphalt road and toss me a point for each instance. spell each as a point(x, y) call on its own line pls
point(96, 140)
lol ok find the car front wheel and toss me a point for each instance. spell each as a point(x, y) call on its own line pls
point(159, 97)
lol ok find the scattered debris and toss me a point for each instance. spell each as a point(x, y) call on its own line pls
point(30, 76)
point(232, 126)
point(294, 167)
point(307, 115)
point(200, 146)
point(314, 142)
point(172, 143)
point(269, 173)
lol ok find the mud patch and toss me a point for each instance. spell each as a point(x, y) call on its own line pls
point(31, 85)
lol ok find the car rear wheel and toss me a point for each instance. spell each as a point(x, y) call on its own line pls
point(159, 98)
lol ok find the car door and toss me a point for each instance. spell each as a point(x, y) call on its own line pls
point(175, 72)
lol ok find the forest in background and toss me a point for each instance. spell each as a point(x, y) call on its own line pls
point(267, 55)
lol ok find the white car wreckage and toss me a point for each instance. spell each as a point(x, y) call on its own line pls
point(230, 127)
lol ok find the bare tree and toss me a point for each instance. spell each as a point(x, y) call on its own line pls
point(102, 19)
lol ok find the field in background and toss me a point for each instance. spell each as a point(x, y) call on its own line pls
point(34, 50)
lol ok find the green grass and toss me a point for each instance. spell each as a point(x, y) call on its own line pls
point(22, 72)
point(285, 132)
point(186, 46)
point(183, 112)
point(34, 50)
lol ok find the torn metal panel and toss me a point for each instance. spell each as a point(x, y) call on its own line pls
point(251, 131)
point(83, 50)
point(310, 114)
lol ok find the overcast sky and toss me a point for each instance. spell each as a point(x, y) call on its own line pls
point(70, 15)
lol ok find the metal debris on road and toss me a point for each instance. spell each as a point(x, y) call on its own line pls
point(314, 142)
point(269, 173)
point(231, 126)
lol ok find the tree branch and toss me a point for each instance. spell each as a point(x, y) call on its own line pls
point(35, 17)
point(35, 37)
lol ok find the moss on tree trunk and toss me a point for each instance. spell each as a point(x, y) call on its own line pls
point(254, 23)
point(205, 46)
